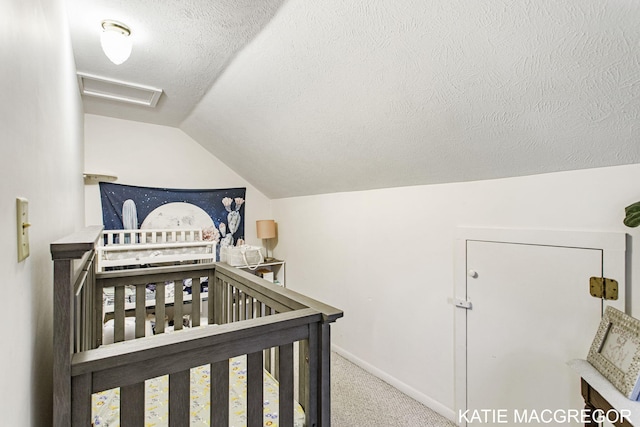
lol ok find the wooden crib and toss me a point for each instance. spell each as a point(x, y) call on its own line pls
point(246, 316)
point(127, 248)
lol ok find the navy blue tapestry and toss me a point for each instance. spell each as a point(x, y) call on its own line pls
point(219, 213)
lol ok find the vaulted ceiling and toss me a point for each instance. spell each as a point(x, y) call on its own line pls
point(308, 97)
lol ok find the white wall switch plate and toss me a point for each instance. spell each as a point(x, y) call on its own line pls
point(22, 205)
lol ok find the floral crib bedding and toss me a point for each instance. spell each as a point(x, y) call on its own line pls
point(105, 411)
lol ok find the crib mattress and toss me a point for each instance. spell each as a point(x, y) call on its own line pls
point(106, 405)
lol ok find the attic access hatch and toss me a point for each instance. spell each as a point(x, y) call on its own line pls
point(116, 90)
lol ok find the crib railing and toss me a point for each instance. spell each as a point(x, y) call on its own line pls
point(114, 237)
point(149, 246)
point(252, 317)
point(170, 306)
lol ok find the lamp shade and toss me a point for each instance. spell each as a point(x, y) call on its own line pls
point(115, 41)
point(266, 228)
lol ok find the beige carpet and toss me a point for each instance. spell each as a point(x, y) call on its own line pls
point(359, 399)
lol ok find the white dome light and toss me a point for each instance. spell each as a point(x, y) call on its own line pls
point(115, 41)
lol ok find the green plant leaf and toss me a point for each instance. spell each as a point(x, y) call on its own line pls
point(632, 219)
point(635, 207)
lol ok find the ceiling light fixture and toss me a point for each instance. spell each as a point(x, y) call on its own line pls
point(115, 41)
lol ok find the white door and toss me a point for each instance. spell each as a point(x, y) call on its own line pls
point(531, 313)
point(517, 349)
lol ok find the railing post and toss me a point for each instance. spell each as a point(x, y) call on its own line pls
point(324, 374)
point(311, 398)
point(65, 274)
point(62, 341)
point(315, 375)
point(81, 396)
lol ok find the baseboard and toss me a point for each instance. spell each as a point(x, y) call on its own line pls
point(406, 389)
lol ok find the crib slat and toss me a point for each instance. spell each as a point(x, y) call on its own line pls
point(303, 373)
point(177, 305)
point(245, 306)
point(195, 301)
point(217, 304)
point(267, 351)
point(255, 390)
point(96, 307)
point(132, 405)
point(237, 295)
point(271, 354)
point(286, 384)
point(262, 311)
point(179, 398)
point(219, 409)
point(242, 306)
point(231, 293)
point(227, 302)
point(118, 314)
point(230, 302)
point(276, 363)
point(141, 310)
point(160, 308)
point(99, 313)
point(215, 297)
point(84, 312)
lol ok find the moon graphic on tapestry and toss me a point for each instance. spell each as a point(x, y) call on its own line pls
point(177, 215)
point(217, 212)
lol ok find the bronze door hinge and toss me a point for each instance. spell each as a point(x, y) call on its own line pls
point(601, 287)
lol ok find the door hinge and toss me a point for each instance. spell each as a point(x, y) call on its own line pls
point(462, 303)
point(601, 287)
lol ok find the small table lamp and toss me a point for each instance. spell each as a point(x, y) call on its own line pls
point(266, 229)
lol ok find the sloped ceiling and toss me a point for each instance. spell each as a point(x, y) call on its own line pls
point(179, 46)
point(340, 95)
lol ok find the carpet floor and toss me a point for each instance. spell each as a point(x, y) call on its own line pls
point(359, 399)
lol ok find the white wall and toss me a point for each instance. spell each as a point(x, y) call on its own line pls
point(159, 156)
point(386, 257)
point(41, 146)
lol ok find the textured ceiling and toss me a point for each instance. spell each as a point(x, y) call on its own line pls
point(179, 46)
point(344, 95)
